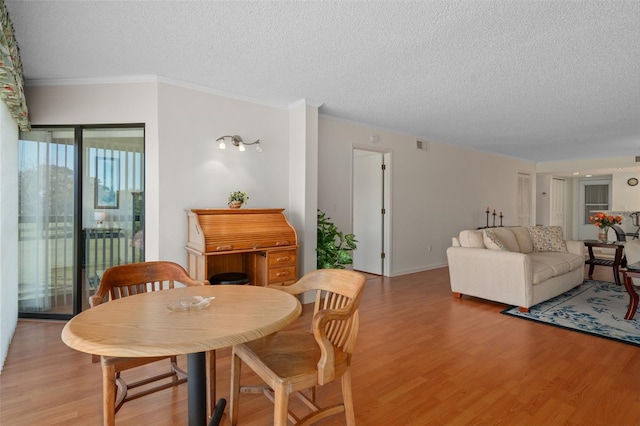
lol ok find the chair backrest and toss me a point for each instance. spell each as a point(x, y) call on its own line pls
point(620, 235)
point(632, 251)
point(335, 321)
point(134, 278)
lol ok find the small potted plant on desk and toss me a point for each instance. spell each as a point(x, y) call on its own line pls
point(237, 199)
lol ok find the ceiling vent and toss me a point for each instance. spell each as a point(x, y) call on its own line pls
point(422, 145)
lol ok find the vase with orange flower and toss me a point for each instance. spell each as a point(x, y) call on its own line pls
point(604, 221)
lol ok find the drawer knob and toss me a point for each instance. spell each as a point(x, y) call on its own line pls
point(282, 274)
point(224, 248)
point(283, 259)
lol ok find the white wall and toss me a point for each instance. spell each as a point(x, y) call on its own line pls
point(196, 174)
point(625, 197)
point(435, 193)
point(109, 104)
point(303, 179)
point(619, 169)
point(8, 230)
point(543, 199)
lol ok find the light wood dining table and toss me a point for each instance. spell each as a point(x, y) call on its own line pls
point(143, 326)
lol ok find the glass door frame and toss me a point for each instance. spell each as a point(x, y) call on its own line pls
point(78, 244)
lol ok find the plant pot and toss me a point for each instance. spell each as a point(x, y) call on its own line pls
point(235, 204)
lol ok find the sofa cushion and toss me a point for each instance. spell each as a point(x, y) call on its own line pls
point(555, 262)
point(560, 263)
point(491, 241)
point(547, 239)
point(525, 243)
point(541, 272)
point(508, 239)
point(471, 238)
point(575, 261)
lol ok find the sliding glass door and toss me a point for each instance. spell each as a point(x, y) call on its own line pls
point(46, 227)
point(81, 211)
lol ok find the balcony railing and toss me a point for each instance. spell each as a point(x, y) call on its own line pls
point(47, 258)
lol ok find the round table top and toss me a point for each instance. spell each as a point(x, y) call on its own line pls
point(142, 325)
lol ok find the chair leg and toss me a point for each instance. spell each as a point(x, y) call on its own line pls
point(347, 397)
point(109, 395)
point(234, 395)
point(280, 406)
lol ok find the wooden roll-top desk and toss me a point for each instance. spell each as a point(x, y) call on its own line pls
point(259, 242)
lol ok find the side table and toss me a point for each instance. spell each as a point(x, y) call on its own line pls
point(617, 261)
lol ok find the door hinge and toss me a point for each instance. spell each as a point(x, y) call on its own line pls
point(383, 211)
point(383, 255)
point(383, 166)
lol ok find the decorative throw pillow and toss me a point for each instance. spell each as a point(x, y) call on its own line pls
point(491, 241)
point(507, 238)
point(547, 238)
point(525, 244)
point(471, 238)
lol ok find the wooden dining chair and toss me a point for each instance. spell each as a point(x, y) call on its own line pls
point(130, 279)
point(292, 362)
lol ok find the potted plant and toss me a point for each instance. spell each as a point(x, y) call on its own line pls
point(237, 199)
point(334, 247)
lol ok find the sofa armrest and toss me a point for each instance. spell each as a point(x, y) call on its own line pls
point(576, 247)
point(502, 276)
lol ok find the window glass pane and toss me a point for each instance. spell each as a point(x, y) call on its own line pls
point(113, 201)
point(596, 198)
point(46, 181)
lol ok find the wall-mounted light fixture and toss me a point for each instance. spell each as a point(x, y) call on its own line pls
point(237, 142)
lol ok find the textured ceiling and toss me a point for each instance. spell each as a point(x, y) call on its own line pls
point(538, 80)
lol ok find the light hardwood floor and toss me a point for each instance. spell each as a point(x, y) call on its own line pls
point(422, 358)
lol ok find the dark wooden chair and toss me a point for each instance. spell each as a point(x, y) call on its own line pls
point(126, 280)
point(620, 234)
point(291, 362)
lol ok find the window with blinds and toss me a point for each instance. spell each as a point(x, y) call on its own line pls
point(596, 198)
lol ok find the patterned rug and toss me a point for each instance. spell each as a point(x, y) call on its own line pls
point(596, 307)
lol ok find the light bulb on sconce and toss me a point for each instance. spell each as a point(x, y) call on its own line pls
point(99, 217)
point(237, 142)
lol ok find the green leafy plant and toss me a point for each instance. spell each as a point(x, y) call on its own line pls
point(239, 197)
point(334, 247)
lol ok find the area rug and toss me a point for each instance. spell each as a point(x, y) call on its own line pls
point(596, 307)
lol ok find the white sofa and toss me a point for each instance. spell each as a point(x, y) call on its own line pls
point(520, 266)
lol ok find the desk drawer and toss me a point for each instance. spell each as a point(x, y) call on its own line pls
point(278, 275)
point(282, 258)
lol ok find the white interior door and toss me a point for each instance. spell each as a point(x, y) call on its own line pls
point(558, 208)
point(368, 220)
point(524, 199)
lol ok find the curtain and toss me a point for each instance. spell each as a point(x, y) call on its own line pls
point(11, 80)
